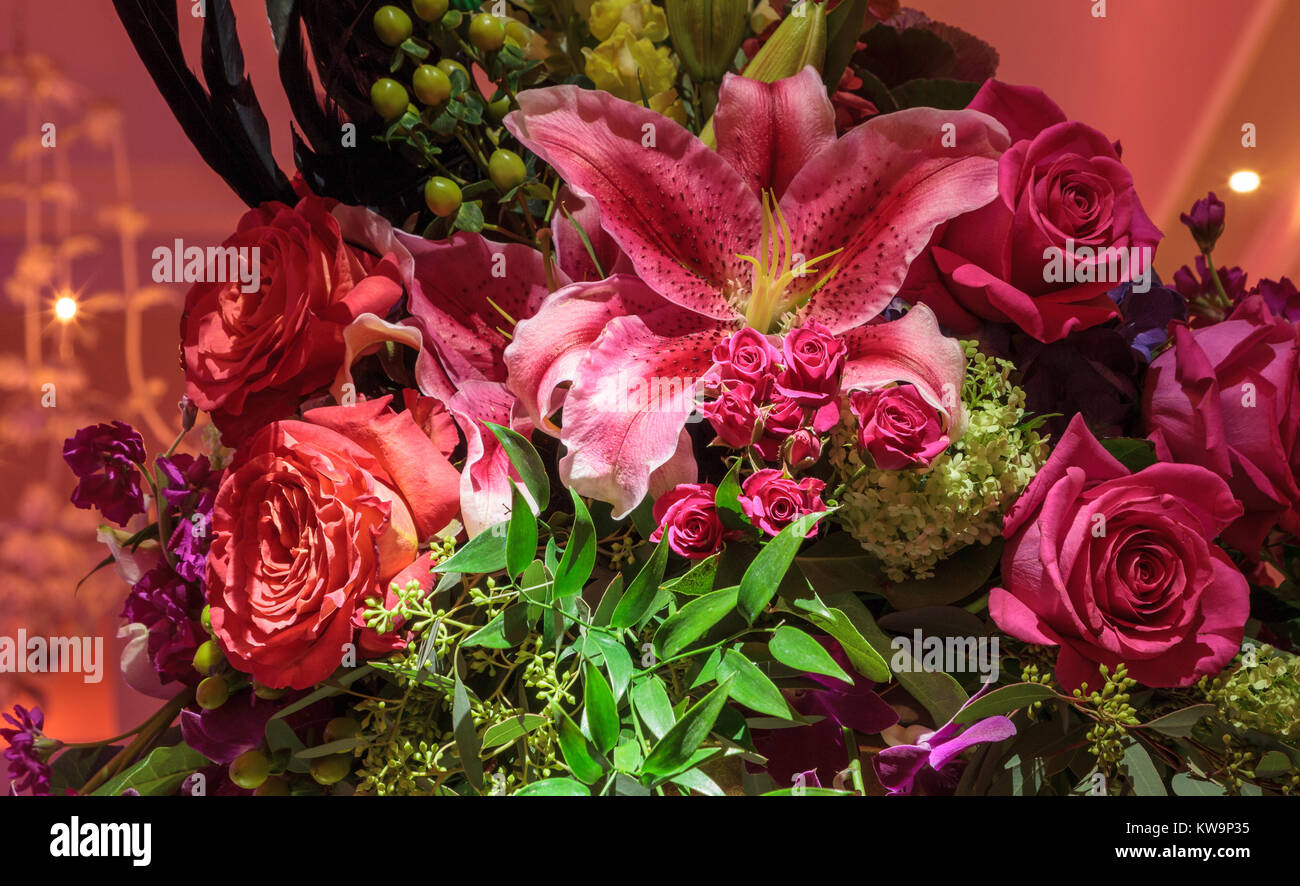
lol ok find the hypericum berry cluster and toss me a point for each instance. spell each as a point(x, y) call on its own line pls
point(914, 518)
point(776, 397)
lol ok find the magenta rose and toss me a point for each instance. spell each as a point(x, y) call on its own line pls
point(747, 356)
point(733, 415)
point(814, 360)
point(689, 516)
point(1227, 397)
point(785, 417)
point(1119, 567)
point(772, 501)
point(802, 449)
point(898, 427)
point(1061, 187)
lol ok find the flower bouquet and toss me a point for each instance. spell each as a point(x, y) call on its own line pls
point(633, 397)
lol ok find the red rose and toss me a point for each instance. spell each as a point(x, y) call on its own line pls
point(814, 360)
point(773, 501)
point(898, 427)
point(1117, 567)
point(1059, 183)
point(250, 357)
point(313, 518)
point(689, 516)
point(1227, 397)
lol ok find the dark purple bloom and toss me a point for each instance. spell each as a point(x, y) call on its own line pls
point(1281, 297)
point(29, 751)
point(1205, 221)
point(1204, 303)
point(169, 608)
point(818, 751)
point(104, 458)
point(223, 734)
point(190, 486)
point(933, 766)
point(1147, 315)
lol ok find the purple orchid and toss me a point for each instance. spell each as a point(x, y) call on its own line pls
point(933, 766)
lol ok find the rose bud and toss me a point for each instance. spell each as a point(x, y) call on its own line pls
point(801, 450)
point(734, 416)
point(1205, 221)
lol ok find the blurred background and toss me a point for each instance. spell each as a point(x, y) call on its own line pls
point(1173, 80)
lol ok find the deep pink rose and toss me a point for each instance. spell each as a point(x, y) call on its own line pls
point(1227, 397)
point(748, 356)
point(814, 360)
point(898, 427)
point(802, 449)
point(733, 415)
point(689, 515)
point(1059, 181)
point(773, 501)
point(1118, 567)
point(786, 417)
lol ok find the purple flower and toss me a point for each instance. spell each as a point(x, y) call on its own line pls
point(29, 751)
point(933, 765)
point(190, 485)
point(818, 751)
point(223, 734)
point(167, 606)
point(104, 458)
point(1281, 297)
point(1147, 315)
point(1205, 221)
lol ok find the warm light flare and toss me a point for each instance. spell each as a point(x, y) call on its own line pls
point(1244, 181)
point(65, 309)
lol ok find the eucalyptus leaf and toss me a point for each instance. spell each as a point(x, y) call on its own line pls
point(1004, 701)
point(467, 739)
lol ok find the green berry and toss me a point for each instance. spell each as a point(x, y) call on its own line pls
point(392, 25)
point(518, 34)
point(507, 170)
point(208, 657)
point(266, 693)
point(432, 85)
point(331, 770)
point(206, 619)
point(487, 32)
point(212, 693)
point(450, 66)
point(275, 786)
point(430, 10)
point(443, 196)
point(340, 728)
point(499, 108)
point(250, 770)
point(389, 98)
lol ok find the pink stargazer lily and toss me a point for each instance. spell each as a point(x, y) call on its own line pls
point(782, 225)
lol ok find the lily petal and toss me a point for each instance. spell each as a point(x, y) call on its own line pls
point(485, 496)
point(879, 193)
point(910, 349)
point(767, 131)
point(678, 209)
point(549, 347)
point(625, 416)
point(583, 216)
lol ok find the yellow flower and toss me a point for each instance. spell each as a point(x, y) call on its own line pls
point(669, 104)
point(643, 17)
point(628, 66)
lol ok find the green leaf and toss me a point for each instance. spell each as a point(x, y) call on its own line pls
point(485, 552)
point(602, 712)
point(521, 534)
point(506, 631)
point(531, 468)
point(675, 749)
point(650, 698)
point(506, 731)
point(608, 600)
point(695, 780)
point(643, 590)
point(698, 580)
point(1146, 780)
point(467, 740)
point(617, 660)
point(342, 746)
point(692, 621)
point(947, 95)
point(470, 216)
point(579, 754)
point(1004, 701)
point(752, 688)
point(862, 655)
point(957, 577)
point(1184, 784)
point(764, 575)
point(76, 766)
point(159, 774)
point(1272, 764)
point(843, 30)
point(579, 553)
point(793, 647)
point(809, 792)
point(1134, 454)
point(554, 787)
point(727, 500)
point(1179, 724)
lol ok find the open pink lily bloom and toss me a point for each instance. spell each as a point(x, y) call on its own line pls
point(782, 225)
